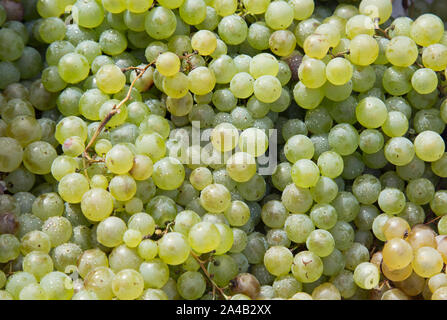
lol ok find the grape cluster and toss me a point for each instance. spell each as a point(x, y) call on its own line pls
point(136, 138)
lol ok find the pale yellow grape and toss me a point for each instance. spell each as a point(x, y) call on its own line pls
point(429, 146)
point(201, 80)
point(427, 262)
point(224, 137)
point(200, 178)
point(72, 187)
point(278, 260)
point(435, 57)
point(317, 46)
point(128, 284)
point(366, 275)
point(99, 181)
point(440, 294)
point(142, 167)
point(173, 248)
point(241, 166)
point(132, 238)
point(331, 33)
point(396, 124)
point(267, 89)
point(226, 238)
point(305, 173)
point(359, 24)
point(371, 112)
point(339, 71)
point(122, 187)
point(204, 237)
point(364, 50)
point(424, 81)
point(253, 141)
point(263, 64)
point(312, 73)
point(168, 64)
point(110, 79)
point(119, 159)
point(204, 41)
point(397, 253)
point(302, 9)
point(330, 164)
point(138, 6)
point(402, 51)
point(215, 198)
point(381, 9)
point(97, 204)
point(427, 29)
point(176, 86)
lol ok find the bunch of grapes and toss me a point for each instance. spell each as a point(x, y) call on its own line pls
point(221, 149)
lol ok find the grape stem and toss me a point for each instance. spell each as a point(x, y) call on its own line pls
point(116, 109)
point(380, 30)
point(214, 285)
point(340, 54)
point(433, 220)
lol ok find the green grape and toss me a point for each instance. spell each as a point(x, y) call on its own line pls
point(316, 46)
point(429, 146)
point(307, 267)
point(232, 29)
point(38, 264)
point(18, 281)
point(305, 173)
point(173, 248)
point(366, 275)
point(127, 284)
point(435, 57)
point(191, 285)
point(72, 187)
point(48, 205)
point(278, 260)
point(401, 51)
point(359, 45)
point(138, 6)
point(57, 286)
point(391, 200)
point(399, 151)
point(438, 203)
point(424, 81)
point(366, 188)
point(73, 67)
point(37, 157)
point(359, 24)
point(298, 227)
point(427, 29)
point(256, 7)
point(97, 204)
point(343, 138)
point(10, 247)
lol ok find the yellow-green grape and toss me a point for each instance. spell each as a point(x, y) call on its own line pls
point(119, 159)
point(241, 166)
point(37, 263)
point(73, 146)
point(371, 112)
point(396, 227)
point(73, 67)
point(359, 24)
point(134, 205)
point(142, 167)
point(201, 80)
point(215, 198)
point(401, 51)
point(226, 238)
point(424, 81)
point(200, 178)
point(331, 33)
point(363, 49)
point(256, 7)
point(312, 73)
point(204, 41)
point(317, 46)
point(204, 237)
point(437, 281)
point(128, 284)
point(279, 15)
point(72, 187)
point(302, 9)
point(33, 291)
point(241, 85)
point(380, 9)
point(397, 253)
point(307, 267)
point(62, 166)
point(238, 213)
point(97, 204)
point(168, 174)
point(263, 64)
point(330, 164)
point(11, 154)
point(326, 291)
point(305, 173)
point(147, 249)
point(366, 275)
point(278, 260)
point(168, 64)
point(435, 57)
point(299, 147)
point(173, 248)
point(396, 124)
point(57, 286)
point(122, 187)
point(399, 151)
point(176, 86)
point(307, 98)
point(138, 6)
point(102, 146)
point(439, 167)
point(110, 79)
point(99, 181)
point(224, 137)
point(282, 42)
point(427, 262)
point(339, 71)
point(114, 6)
point(110, 232)
point(253, 141)
point(429, 146)
point(132, 238)
point(427, 29)
point(267, 89)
